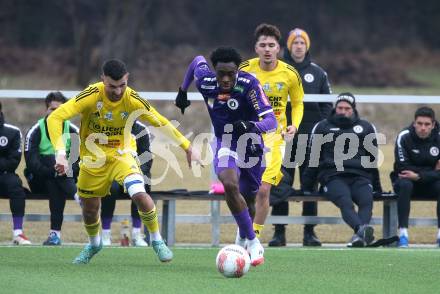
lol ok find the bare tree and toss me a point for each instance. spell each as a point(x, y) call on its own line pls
point(123, 29)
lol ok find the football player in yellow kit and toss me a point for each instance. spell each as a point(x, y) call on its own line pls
point(108, 110)
point(279, 80)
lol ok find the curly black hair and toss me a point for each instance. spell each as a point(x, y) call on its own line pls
point(225, 54)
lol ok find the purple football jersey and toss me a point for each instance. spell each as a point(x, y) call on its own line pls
point(246, 101)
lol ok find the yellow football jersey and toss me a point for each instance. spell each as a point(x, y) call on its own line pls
point(279, 83)
point(100, 116)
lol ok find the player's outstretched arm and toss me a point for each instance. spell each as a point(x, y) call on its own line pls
point(182, 101)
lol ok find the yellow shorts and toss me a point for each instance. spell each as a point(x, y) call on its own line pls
point(273, 158)
point(96, 182)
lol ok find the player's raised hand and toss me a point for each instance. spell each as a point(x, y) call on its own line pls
point(193, 154)
point(61, 163)
point(182, 101)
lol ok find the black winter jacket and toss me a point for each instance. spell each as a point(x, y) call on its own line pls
point(314, 81)
point(331, 160)
point(416, 154)
point(10, 147)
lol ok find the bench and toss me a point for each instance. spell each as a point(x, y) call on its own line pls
point(215, 218)
point(169, 217)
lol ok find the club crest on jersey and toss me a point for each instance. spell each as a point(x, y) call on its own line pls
point(233, 104)
point(309, 78)
point(108, 116)
point(3, 141)
point(358, 129)
point(279, 86)
point(266, 87)
point(124, 114)
point(99, 105)
point(434, 151)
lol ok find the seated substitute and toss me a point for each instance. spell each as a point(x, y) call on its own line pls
point(343, 153)
point(40, 167)
point(417, 167)
point(141, 142)
point(10, 183)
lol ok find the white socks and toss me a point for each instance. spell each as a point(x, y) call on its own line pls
point(403, 232)
point(155, 236)
point(95, 240)
point(135, 232)
point(17, 232)
point(58, 233)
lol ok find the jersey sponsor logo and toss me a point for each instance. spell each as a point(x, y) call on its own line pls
point(239, 88)
point(309, 78)
point(434, 151)
point(233, 104)
point(206, 87)
point(244, 80)
point(358, 129)
point(276, 101)
point(3, 141)
point(253, 96)
point(106, 130)
point(209, 79)
point(108, 116)
point(223, 97)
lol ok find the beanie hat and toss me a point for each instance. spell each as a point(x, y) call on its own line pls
point(346, 97)
point(293, 34)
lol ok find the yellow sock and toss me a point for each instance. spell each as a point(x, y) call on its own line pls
point(258, 229)
point(93, 229)
point(150, 220)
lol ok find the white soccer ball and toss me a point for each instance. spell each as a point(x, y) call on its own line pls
point(233, 261)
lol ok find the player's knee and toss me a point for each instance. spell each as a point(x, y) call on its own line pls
point(404, 185)
point(134, 184)
point(230, 186)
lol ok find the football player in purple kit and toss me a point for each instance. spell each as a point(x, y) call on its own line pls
point(240, 112)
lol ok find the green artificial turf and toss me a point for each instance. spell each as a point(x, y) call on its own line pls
point(287, 270)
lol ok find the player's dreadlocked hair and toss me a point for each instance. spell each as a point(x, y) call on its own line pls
point(225, 54)
point(265, 29)
point(54, 96)
point(114, 69)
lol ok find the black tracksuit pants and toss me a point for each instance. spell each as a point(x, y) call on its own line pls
point(407, 189)
point(12, 186)
point(59, 189)
point(343, 191)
